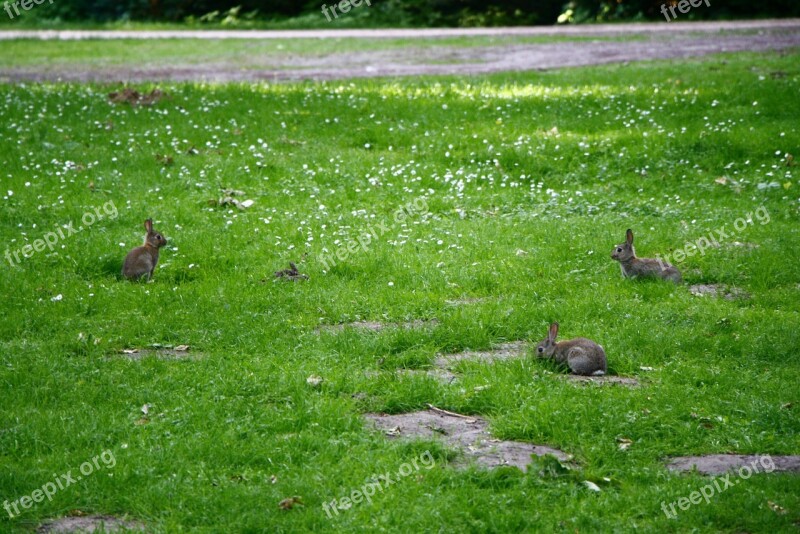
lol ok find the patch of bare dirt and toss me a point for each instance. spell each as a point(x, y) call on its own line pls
point(90, 523)
point(656, 41)
point(470, 434)
point(179, 352)
point(601, 380)
point(718, 290)
point(374, 326)
point(442, 375)
point(467, 301)
point(506, 351)
point(717, 464)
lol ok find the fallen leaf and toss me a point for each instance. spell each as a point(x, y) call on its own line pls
point(591, 485)
point(314, 381)
point(778, 509)
point(146, 408)
point(290, 502)
point(624, 443)
point(647, 368)
point(164, 160)
point(130, 351)
point(182, 348)
point(721, 180)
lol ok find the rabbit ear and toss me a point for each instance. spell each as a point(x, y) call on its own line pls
point(629, 237)
point(148, 225)
point(551, 335)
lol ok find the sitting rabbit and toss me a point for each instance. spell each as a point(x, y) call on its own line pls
point(142, 260)
point(582, 356)
point(633, 267)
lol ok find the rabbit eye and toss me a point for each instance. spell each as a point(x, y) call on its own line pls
point(541, 349)
point(619, 249)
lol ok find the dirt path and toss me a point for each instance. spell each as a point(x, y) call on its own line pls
point(653, 41)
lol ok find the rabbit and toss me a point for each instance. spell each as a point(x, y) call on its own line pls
point(582, 356)
point(633, 267)
point(142, 260)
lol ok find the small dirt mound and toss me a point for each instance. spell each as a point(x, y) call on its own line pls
point(90, 523)
point(470, 434)
point(717, 464)
point(605, 379)
point(718, 290)
point(506, 351)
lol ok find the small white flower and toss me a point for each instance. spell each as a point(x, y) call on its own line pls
point(57, 298)
point(391, 284)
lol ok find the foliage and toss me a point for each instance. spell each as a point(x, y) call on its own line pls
point(398, 12)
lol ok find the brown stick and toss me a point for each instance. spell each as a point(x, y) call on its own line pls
point(451, 414)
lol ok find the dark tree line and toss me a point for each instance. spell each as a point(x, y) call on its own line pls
point(404, 13)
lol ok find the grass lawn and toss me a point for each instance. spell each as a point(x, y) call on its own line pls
point(519, 187)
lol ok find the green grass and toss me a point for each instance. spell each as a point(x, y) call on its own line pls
point(638, 146)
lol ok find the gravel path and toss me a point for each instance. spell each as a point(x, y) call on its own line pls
point(654, 41)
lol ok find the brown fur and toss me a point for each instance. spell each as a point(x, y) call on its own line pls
point(582, 356)
point(633, 267)
point(142, 261)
